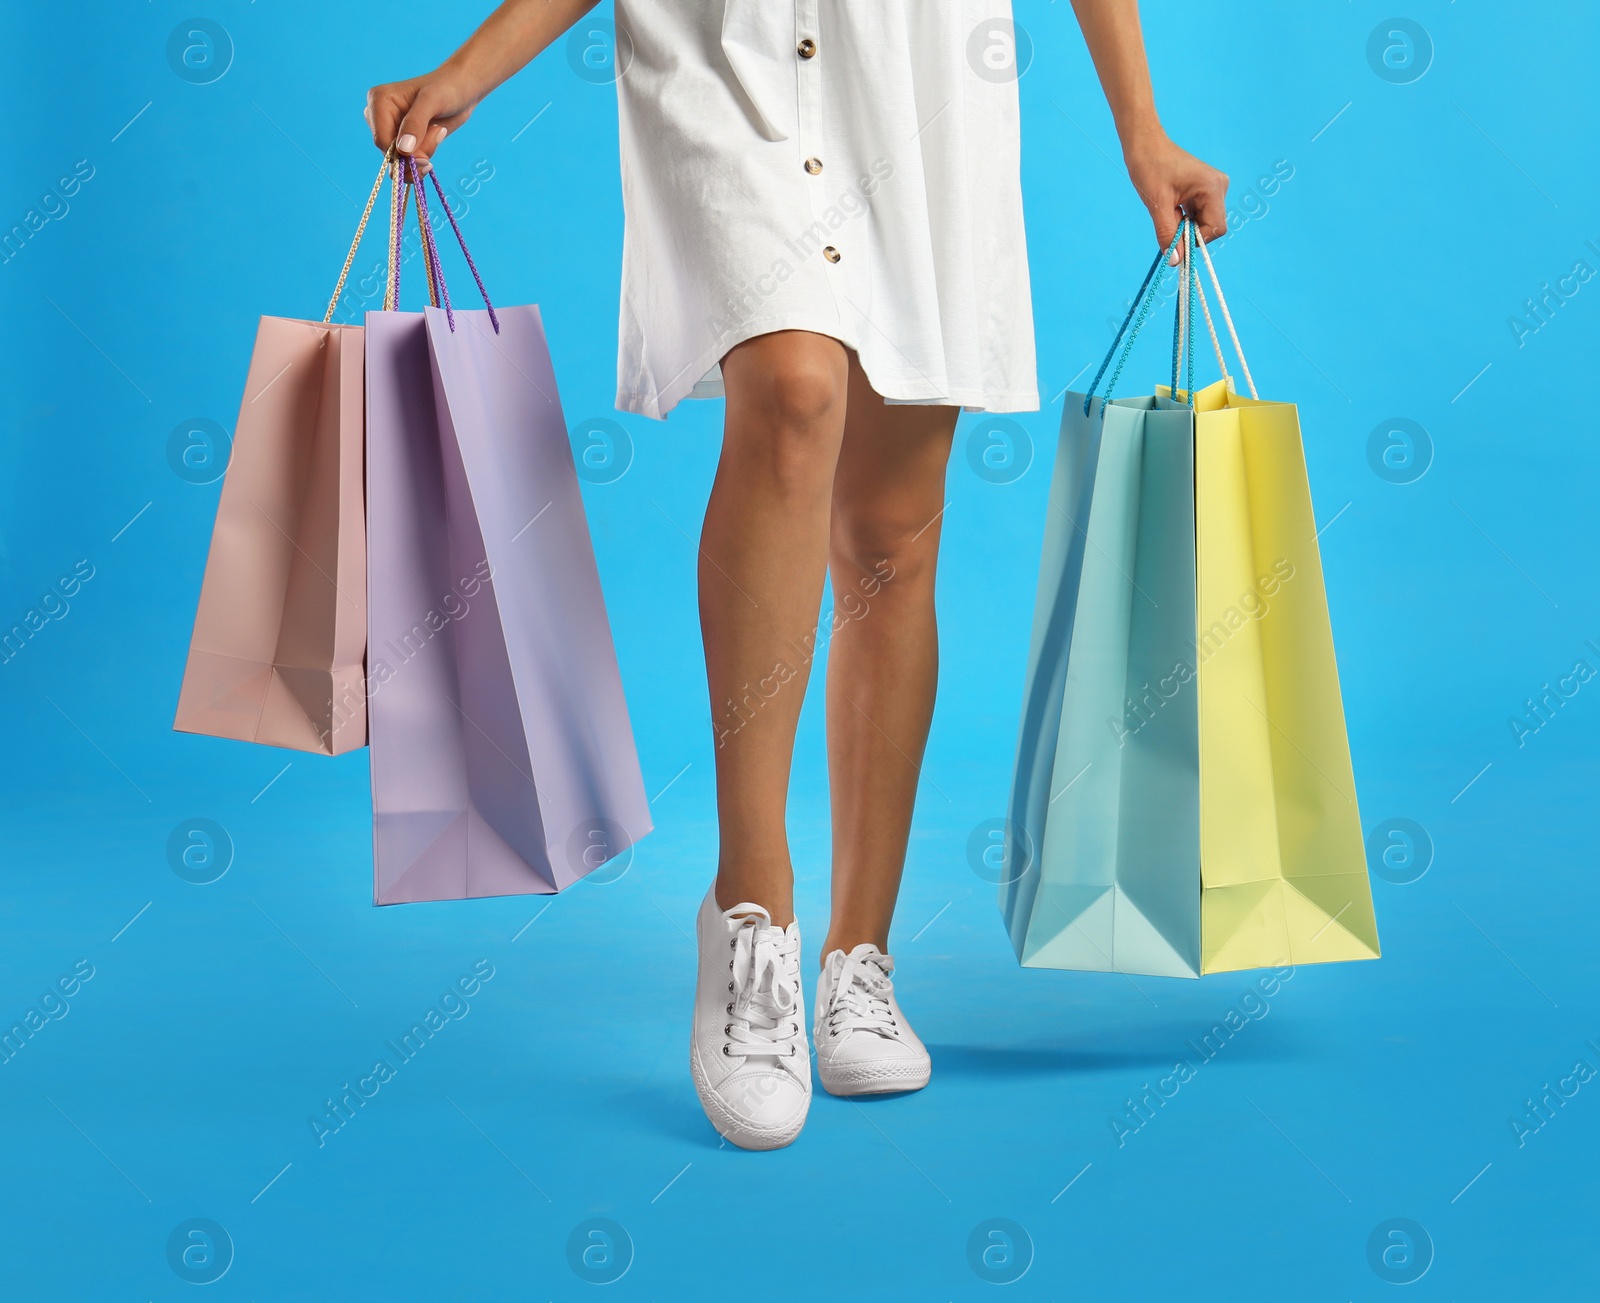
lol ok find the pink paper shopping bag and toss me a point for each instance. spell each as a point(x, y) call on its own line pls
point(281, 630)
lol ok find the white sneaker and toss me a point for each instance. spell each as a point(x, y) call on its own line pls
point(864, 1044)
point(748, 1051)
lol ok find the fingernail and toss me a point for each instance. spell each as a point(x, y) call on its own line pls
point(425, 167)
point(406, 143)
point(443, 132)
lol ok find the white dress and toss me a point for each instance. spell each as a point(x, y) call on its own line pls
point(849, 167)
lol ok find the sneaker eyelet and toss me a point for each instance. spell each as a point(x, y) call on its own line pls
point(725, 1052)
point(729, 1009)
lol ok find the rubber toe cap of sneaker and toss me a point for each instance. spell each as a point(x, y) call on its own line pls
point(764, 1099)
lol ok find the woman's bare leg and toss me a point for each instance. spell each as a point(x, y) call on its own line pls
point(763, 555)
point(883, 662)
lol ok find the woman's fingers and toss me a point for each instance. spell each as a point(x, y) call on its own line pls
point(1165, 213)
point(386, 105)
point(1208, 206)
point(415, 116)
point(422, 127)
point(1174, 184)
point(430, 142)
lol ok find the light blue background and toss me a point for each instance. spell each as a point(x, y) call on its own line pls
point(1377, 283)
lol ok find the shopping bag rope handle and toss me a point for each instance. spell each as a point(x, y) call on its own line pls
point(1183, 319)
point(429, 265)
point(1226, 317)
point(361, 229)
point(1140, 307)
point(1216, 346)
point(399, 199)
point(1183, 315)
point(1193, 290)
point(390, 297)
point(403, 168)
point(400, 202)
point(437, 289)
point(436, 272)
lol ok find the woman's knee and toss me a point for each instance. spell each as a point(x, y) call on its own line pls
point(885, 543)
point(789, 377)
point(786, 409)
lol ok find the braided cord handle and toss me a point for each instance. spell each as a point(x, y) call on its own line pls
point(429, 264)
point(1211, 329)
point(397, 212)
point(1139, 305)
point(465, 252)
point(1138, 314)
point(1183, 314)
point(406, 179)
point(1227, 318)
point(1183, 328)
point(397, 256)
point(430, 260)
point(438, 290)
point(1178, 310)
point(1191, 285)
point(361, 229)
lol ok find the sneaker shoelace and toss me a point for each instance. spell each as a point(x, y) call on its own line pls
point(762, 1014)
point(860, 1000)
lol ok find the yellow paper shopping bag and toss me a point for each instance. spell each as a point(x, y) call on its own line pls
point(1283, 869)
point(1110, 879)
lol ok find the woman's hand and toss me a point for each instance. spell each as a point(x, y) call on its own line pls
point(1174, 183)
point(416, 115)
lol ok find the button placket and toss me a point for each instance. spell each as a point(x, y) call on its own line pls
point(811, 121)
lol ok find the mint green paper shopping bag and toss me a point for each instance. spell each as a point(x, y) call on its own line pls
point(1103, 841)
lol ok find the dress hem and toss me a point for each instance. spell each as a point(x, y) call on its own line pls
point(658, 405)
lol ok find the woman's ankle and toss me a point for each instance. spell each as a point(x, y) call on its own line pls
point(848, 938)
point(772, 894)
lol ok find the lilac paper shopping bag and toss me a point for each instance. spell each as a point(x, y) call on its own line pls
point(503, 761)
